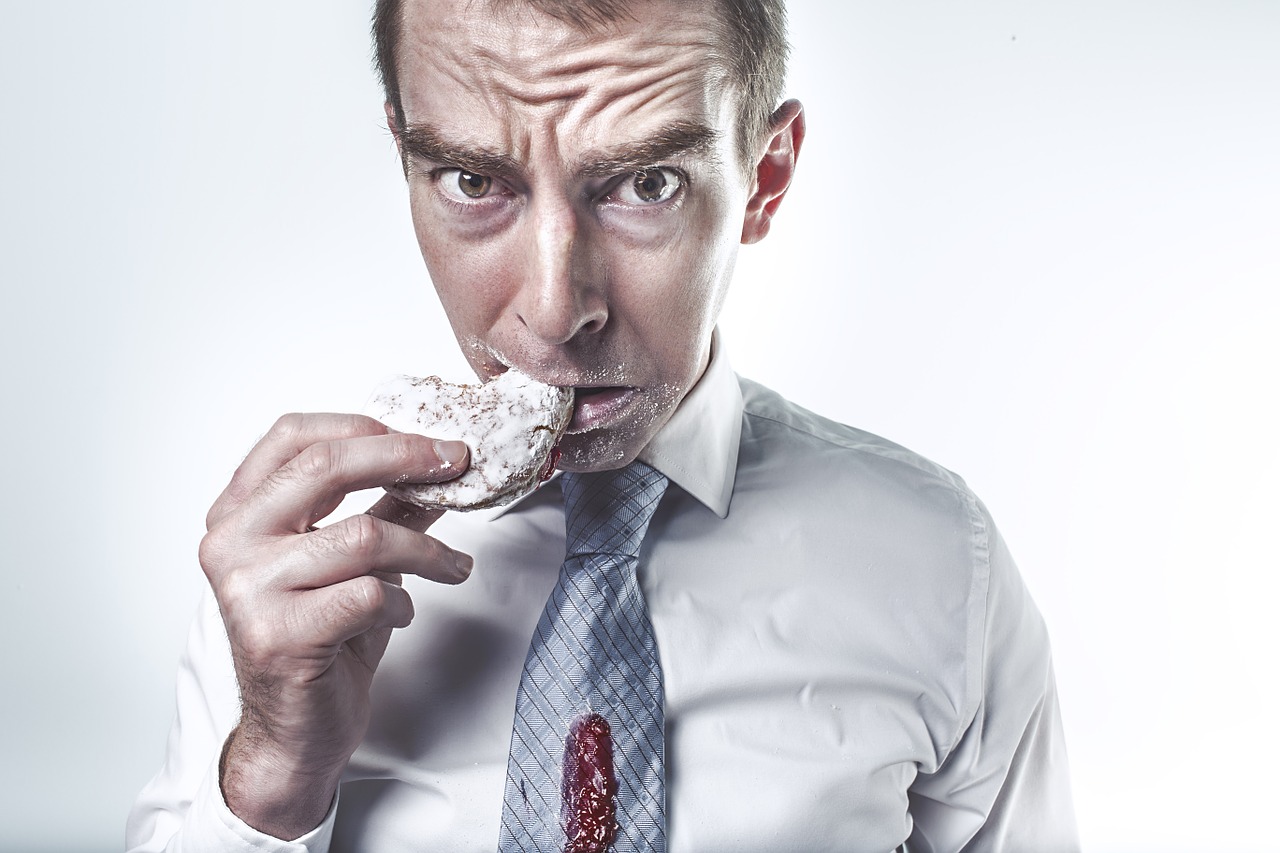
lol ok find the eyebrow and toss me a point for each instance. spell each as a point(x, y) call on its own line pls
point(680, 139)
point(424, 142)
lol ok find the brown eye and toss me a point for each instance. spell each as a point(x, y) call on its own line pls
point(474, 186)
point(652, 185)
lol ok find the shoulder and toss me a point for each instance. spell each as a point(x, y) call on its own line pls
point(800, 451)
point(861, 500)
point(870, 506)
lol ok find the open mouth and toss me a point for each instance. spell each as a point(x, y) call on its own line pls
point(596, 407)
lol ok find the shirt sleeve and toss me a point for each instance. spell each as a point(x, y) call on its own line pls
point(181, 809)
point(1004, 785)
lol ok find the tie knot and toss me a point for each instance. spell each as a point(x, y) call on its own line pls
point(608, 512)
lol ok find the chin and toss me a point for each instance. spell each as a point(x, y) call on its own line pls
point(597, 450)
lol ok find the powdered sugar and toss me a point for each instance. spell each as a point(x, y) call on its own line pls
point(510, 424)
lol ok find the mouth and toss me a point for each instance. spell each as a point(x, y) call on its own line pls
point(595, 407)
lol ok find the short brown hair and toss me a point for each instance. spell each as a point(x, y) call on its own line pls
point(754, 39)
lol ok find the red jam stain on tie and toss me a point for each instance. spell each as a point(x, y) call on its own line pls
point(588, 787)
point(551, 465)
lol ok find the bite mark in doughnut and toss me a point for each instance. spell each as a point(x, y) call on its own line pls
point(511, 424)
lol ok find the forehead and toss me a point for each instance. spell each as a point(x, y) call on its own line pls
point(476, 72)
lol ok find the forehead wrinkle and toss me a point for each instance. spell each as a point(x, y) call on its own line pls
point(676, 110)
point(591, 83)
point(447, 127)
point(617, 79)
point(563, 64)
point(521, 90)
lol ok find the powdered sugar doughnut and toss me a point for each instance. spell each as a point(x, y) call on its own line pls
point(511, 424)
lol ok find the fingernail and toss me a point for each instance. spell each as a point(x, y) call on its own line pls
point(451, 452)
point(464, 562)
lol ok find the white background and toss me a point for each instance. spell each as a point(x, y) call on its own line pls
point(1039, 243)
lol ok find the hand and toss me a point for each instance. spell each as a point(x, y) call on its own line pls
point(309, 612)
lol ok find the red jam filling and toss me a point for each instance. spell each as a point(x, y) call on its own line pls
point(588, 787)
point(551, 465)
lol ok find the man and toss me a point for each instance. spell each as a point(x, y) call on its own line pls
point(848, 658)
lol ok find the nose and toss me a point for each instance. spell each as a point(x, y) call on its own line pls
point(562, 294)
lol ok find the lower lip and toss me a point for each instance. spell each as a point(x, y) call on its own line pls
point(597, 407)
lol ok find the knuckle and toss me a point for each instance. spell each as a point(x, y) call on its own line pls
point(287, 427)
point(255, 640)
point(252, 631)
point(363, 595)
point(318, 461)
point(354, 426)
point(210, 553)
point(237, 591)
point(361, 536)
point(406, 450)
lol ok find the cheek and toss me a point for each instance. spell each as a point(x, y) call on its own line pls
point(676, 307)
point(469, 276)
point(700, 262)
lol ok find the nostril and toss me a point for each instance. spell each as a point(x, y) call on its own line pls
point(558, 317)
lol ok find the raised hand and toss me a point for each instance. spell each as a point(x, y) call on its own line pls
point(309, 612)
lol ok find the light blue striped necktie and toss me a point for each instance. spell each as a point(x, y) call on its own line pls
point(592, 667)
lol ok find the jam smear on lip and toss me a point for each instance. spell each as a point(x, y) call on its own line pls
point(588, 787)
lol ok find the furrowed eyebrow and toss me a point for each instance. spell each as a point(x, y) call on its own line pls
point(422, 142)
point(676, 140)
point(681, 139)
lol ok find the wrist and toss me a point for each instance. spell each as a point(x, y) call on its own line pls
point(274, 793)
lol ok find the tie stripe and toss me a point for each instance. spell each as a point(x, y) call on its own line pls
point(592, 651)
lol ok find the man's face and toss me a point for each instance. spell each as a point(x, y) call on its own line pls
point(578, 200)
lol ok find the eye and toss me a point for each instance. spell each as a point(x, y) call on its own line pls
point(464, 186)
point(649, 186)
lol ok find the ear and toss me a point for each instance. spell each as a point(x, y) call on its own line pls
point(774, 170)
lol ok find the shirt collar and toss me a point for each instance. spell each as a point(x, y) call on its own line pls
point(698, 448)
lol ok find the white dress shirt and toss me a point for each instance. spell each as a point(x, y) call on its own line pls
point(850, 658)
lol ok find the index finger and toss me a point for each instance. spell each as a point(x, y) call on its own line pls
point(313, 483)
point(288, 436)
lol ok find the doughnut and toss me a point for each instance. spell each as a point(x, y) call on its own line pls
point(511, 424)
